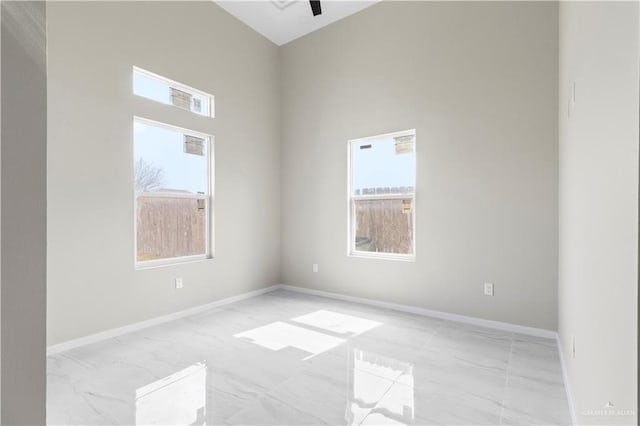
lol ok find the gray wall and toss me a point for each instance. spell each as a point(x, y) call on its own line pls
point(478, 81)
point(24, 136)
point(92, 284)
point(598, 287)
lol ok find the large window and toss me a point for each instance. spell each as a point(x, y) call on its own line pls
point(382, 176)
point(172, 180)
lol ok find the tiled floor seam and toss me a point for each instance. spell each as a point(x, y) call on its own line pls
point(396, 380)
point(378, 401)
point(432, 336)
point(506, 381)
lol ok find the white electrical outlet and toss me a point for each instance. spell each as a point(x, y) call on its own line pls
point(179, 283)
point(315, 267)
point(488, 289)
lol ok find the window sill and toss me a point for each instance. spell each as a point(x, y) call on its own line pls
point(383, 256)
point(153, 264)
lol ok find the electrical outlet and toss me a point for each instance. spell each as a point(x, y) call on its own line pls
point(179, 283)
point(315, 267)
point(573, 347)
point(488, 289)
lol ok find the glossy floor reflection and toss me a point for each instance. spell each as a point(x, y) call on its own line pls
point(286, 358)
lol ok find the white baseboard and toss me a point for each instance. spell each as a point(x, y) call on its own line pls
point(64, 346)
point(532, 331)
point(60, 347)
point(565, 379)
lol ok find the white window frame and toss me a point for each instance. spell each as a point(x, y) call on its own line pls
point(208, 197)
point(176, 85)
point(351, 199)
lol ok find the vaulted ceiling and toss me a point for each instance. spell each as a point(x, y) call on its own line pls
point(282, 21)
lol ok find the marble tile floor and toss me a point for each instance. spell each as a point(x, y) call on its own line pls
point(285, 358)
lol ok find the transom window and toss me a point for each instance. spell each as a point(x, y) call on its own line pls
point(382, 179)
point(160, 89)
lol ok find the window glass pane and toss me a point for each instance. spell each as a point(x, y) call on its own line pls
point(383, 166)
point(384, 226)
point(171, 93)
point(169, 160)
point(170, 227)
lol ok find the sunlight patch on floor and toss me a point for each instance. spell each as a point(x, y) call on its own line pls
point(280, 335)
point(337, 322)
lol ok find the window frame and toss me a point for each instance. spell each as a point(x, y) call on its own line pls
point(351, 199)
point(208, 197)
point(176, 85)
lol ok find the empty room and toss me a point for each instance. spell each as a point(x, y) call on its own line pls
point(289, 212)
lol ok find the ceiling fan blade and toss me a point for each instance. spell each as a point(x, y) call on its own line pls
point(315, 7)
